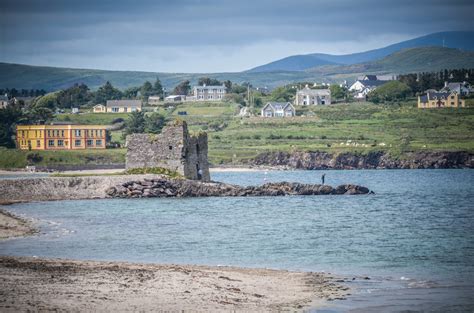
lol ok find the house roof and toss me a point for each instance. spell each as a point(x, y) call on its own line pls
point(316, 92)
point(372, 83)
point(124, 103)
point(370, 77)
point(435, 95)
point(278, 105)
point(211, 87)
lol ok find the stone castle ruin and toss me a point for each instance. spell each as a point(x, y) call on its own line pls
point(174, 149)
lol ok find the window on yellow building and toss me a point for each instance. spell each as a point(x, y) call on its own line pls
point(77, 142)
point(49, 133)
point(51, 143)
point(78, 133)
point(38, 143)
point(98, 142)
point(90, 142)
point(62, 133)
point(60, 143)
point(100, 132)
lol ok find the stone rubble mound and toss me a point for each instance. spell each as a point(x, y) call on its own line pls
point(158, 187)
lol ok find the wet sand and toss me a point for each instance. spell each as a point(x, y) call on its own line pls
point(42, 284)
point(14, 226)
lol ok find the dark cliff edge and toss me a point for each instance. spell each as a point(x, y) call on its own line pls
point(372, 160)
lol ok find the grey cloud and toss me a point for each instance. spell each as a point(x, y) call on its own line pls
point(97, 28)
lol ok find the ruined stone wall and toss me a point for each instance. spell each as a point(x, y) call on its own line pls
point(173, 149)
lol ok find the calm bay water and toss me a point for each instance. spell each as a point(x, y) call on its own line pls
point(415, 234)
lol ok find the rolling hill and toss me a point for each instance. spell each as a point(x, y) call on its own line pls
point(457, 39)
point(423, 59)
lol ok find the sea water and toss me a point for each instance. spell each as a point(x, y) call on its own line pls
point(414, 238)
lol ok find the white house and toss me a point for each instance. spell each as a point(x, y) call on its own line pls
point(175, 98)
point(209, 93)
point(278, 109)
point(308, 96)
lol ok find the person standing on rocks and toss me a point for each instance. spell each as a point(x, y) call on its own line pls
point(323, 177)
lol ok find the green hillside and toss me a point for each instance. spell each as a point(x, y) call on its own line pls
point(426, 59)
point(53, 78)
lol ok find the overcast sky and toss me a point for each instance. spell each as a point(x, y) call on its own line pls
point(211, 35)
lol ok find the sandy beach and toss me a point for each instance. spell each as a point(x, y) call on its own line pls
point(33, 284)
point(14, 226)
point(66, 285)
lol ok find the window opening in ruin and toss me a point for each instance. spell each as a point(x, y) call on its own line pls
point(171, 147)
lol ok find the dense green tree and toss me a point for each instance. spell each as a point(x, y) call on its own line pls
point(107, 92)
point(146, 90)
point(49, 101)
point(235, 98)
point(9, 117)
point(228, 85)
point(183, 88)
point(208, 81)
point(158, 88)
point(74, 96)
point(235, 88)
point(390, 92)
point(135, 123)
point(283, 94)
point(338, 92)
point(154, 123)
point(131, 93)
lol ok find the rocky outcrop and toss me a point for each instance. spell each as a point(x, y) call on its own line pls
point(61, 188)
point(149, 188)
point(372, 160)
point(143, 186)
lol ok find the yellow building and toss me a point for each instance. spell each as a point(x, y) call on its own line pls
point(60, 137)
point(440, 100)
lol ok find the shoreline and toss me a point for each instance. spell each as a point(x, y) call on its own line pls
point(12, 226)
point(59, 284)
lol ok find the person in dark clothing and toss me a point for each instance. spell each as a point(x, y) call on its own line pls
point(322, 178)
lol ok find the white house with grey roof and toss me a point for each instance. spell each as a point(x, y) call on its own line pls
point(209, 93)
point(278, 109)
point(308, 96)
point(118, 106)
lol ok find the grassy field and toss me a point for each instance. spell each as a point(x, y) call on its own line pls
point(90, 118)
point(356, 127)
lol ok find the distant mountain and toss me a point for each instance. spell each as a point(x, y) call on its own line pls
point(456, 39)
point(424, 59)
point(22, 76)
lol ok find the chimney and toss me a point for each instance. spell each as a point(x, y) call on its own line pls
point(204, 85)
point(445, 84)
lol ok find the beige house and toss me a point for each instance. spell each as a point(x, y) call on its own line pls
point(154, 100)
point(209, 93)
point(440, 100)
point(308, 96)
point(123, 106)
point(99, 108)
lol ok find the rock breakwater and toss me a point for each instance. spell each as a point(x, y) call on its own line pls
point(149, 188)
